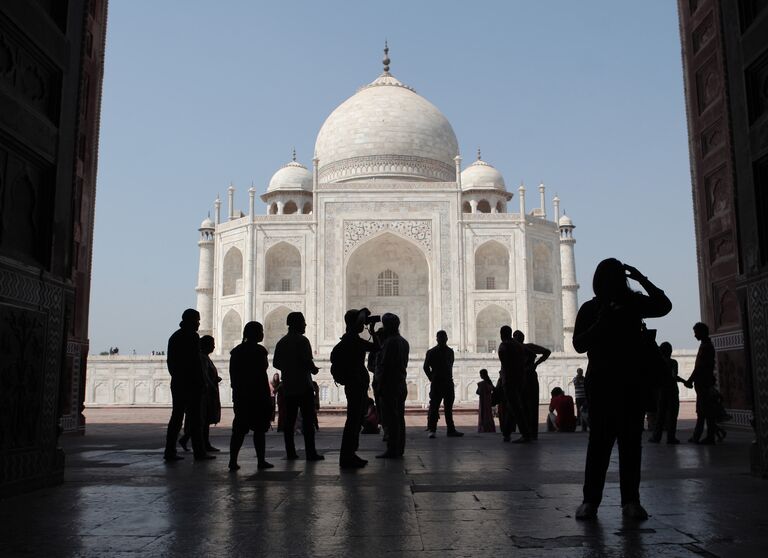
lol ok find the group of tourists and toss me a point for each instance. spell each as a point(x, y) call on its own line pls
point(623, 358)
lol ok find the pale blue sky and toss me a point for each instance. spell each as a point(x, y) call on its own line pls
point(586, 96)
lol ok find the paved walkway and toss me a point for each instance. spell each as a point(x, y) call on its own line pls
point(471, 496)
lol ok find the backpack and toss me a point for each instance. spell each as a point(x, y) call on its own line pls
point(338, 366)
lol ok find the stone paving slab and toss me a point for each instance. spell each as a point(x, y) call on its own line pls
point(470, 496)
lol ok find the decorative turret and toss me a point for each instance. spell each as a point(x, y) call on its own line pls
point(204, 287)
point(483, 187)
point(231, 201)
point(290, 189)
point(568, 277)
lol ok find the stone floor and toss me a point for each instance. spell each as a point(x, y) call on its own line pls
point(471, 496)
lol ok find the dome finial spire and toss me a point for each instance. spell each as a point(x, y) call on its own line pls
point(293, 156)
point(479, 156)
point(386, 60)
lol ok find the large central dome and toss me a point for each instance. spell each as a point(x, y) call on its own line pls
point(387, 131)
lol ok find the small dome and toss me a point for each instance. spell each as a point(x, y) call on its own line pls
point(293, 176)
point(482, 175)
point(565, 221)
point(207, 224)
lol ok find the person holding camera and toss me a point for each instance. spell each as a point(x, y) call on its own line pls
point(609, 329)
point(438, 366)
point(391, 371)
point(348, 368)
point(293, 357)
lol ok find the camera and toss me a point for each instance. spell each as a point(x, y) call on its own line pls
point(368, 318)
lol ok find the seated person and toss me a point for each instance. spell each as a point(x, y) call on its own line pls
point(561, 416)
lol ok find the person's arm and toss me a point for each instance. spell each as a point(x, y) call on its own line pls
point(656, 304)
point(539, 350)
point(551, 406)
point(427, 365)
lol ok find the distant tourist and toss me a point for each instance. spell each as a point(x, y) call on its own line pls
point(485, 421)
point(316, 399)
point(581, 397)
point(561, 417)
point(438, 366)
point(668, 404)
point(293, 357)
point(248, 364)
point(391, 372)
point(531, 380)
point(187, 386)
point(371, 420)
point(702, 379)
point(512, 357)
point(608, 329)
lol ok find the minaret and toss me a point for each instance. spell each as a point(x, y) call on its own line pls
point(217, 209)
point(542, 201)
point(568, 276)
point(231, 201)
point(556, 207)
point(521, 193)
point(204, 287)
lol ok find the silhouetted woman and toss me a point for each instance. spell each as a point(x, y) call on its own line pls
point(608, 329)
point(485, 422)
point(248, 365)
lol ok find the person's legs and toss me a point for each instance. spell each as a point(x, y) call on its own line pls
point(435, 397)
point(350, 439)
point(401, 416)
point(515, 403)
point(239, 430)
point(673, 410)
point(449, 396)
point(662, 408)
point(602, 435)
point(260, 445)
point(532, 405)
point(630, 455)
point(291, 412)
point(307, 404)
point(698, 430)
point(179, 402)
point(195, 424)
point(579, 403)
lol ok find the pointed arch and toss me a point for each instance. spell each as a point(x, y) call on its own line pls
point(487, 324)
point(282, 268)
point(290, 208)
point(232, 272)
point(231, 331)
point(466, 207)
point(274, 326)
point(483, 206)
point(492, 266)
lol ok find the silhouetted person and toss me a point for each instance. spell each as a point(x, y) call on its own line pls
point(512, 357)
point(668, 404)
point(293, 357)
point(580, 397)
point(531, 380)
point(608, 329)
point(187, 385)
point(702, 379)
point(391, 372)
point(485, 422)
point(561, 417)
point(374, 363)
point(438, 366)
point(316, 400)
point(371, 418)
point(210, 408)
point(273, 385)
point(248, 364)
point(349, 355)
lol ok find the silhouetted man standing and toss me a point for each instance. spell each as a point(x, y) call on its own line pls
point(530, 393)
point(349, 355)
point(702, 379)
point(512, 358)
point(391, 371)
point(293, 357)
point(187, 386)
point(438, 366)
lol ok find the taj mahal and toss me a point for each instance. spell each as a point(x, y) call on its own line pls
point(385, 216)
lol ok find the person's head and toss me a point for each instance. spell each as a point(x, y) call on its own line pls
point(253, 332)
point(579, 371)
point(190, 319)
point(207, 344)
point(442, 337)
point(701, 331)
point(296, 322)
point(484, 374)
point(518, 336)
point(557, 391)
point(390, 322)
point(354, 321)
point(610, 281)
point(275, 378)
point(665, 349)
point(506, 333)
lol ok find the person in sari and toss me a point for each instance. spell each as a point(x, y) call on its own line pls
point(485, 422)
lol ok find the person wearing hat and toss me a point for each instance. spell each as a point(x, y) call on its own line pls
point(187, 386)
point(293, 357)
point(391, 372)
point(349, 354)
